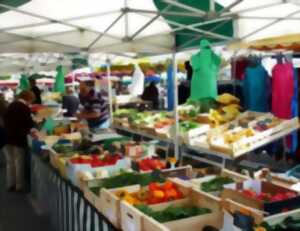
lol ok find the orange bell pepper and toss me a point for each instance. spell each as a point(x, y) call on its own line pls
point(158, 194)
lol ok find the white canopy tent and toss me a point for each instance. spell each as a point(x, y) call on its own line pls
point(135, 26)
point(84, 25)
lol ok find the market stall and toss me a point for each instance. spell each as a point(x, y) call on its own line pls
point(95, 180)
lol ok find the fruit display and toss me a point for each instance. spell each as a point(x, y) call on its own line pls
point(227, 99)
point(150, 164)
point(249, 131)
point(154, 193)
point(268, 197)
point(215, 184)
point(263, 196)
point(172, 213)
point(96, 161)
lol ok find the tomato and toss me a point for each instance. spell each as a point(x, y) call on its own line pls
point(168, 185)
point(153, 186)
point(249, 193)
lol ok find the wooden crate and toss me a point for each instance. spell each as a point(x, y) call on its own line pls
point(279, 218)
point(179, 172)
point(133, 219)
point(193, 133)
point(283, 181)
point(196, 183)
point(248, 144)
point(234, 201)
point(86, 186)
point(109, 204)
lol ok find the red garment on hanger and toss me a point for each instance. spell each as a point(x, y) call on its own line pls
point(282, 90)
point(238, 68)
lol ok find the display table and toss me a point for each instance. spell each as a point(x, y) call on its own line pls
point(62, 202)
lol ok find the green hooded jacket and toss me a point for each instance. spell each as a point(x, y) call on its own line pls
point(205, 70)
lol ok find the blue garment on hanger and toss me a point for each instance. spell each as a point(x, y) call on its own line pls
point(295, 112)
point(170, 88)
point(256, 87)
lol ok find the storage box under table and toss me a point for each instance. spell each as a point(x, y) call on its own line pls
point(134, 219)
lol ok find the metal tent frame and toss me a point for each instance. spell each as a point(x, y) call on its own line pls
point(160, 43)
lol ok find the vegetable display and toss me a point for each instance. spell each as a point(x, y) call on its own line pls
point(185, 126)
point(216, 184)
point(288, 224)
point(127, 179)
point(267, 197)
point(63, 149)
point(149, 164)
point(172, 213)
point(96, 161)
point(155, 194)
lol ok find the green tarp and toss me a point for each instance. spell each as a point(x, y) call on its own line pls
point(13, 3)
point(187, 38)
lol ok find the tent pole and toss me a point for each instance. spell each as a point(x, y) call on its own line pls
point(110, 101)
point(176, 135)
point(212, 5)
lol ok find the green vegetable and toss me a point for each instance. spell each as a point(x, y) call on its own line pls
point(289, 224)
point(185, 126)
point(173, 213)
point(63, 149)
point(207, 104)
point(216, 184)
point(130, 178)
point(203, 105)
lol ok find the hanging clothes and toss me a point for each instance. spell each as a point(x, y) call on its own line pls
point(282, 90)
point(238, 67)
point(24, 83)
point(59, 85)
point(295, 112)
point(138, 79)
point(205, 66)
point(255, 87)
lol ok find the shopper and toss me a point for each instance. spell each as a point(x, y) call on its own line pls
point(151, 94)
point(17, 128)
point(36, 91)
point(70, 102)
point(95, 108)
point(183, 92)
point(3, 108)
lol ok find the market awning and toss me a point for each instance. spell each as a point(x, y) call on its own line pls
point(287, 42)
point(145, 27)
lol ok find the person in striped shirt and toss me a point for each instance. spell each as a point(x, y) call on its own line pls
point(95, 108)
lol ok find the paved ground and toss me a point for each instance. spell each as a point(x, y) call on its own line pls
point(16, 211)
